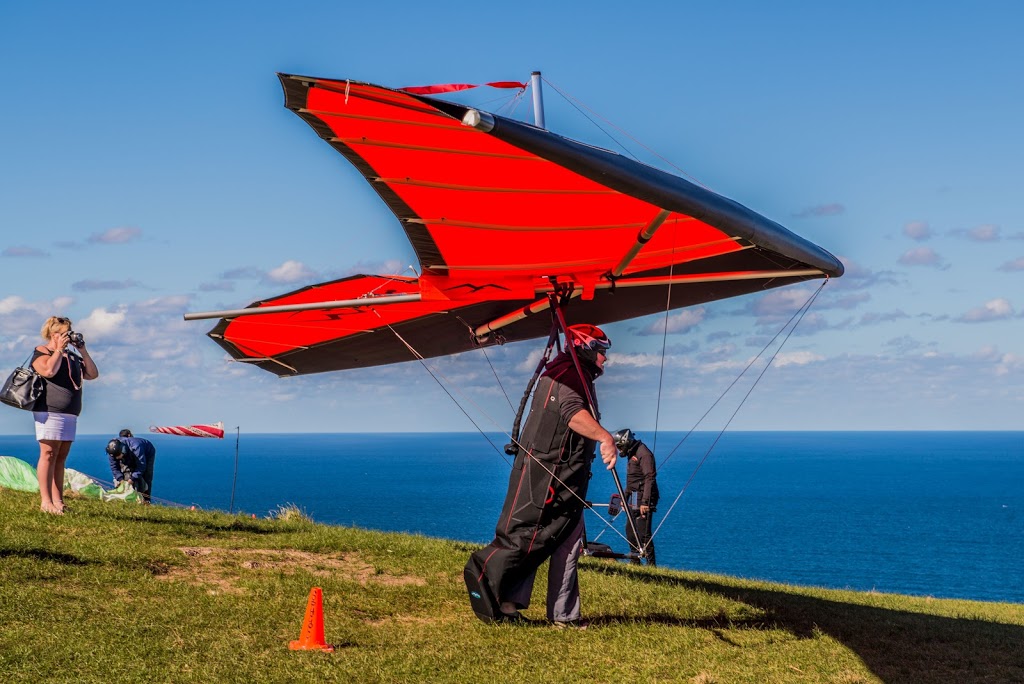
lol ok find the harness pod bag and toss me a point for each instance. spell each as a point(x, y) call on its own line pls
point(24, 388)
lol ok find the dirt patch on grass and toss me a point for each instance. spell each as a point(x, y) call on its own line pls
point(221, 568)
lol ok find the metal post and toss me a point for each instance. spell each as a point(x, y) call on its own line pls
point(538, 99)
point(238, 435)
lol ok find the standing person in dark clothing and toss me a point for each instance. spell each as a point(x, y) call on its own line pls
point(542, 516)
point(65, 363)
point(641, 492)
point(131, 459)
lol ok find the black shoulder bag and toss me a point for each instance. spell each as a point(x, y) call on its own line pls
point(24, 388)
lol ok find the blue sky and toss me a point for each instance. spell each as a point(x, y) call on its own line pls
point(149, 169)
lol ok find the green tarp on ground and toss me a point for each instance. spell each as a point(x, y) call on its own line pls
point(18, 475)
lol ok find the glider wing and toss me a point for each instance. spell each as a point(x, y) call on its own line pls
point(498, 212)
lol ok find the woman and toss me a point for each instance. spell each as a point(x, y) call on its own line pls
point(65, 366)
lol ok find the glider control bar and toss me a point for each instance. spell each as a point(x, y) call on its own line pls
point(310, 306)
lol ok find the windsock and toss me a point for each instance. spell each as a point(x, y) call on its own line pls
point(215, 430)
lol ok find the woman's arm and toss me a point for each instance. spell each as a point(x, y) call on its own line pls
point(89, 370)
point(48, 365)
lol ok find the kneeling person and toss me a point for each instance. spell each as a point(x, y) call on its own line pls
point(131, 459)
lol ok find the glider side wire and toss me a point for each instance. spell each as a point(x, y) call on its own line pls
point(664, 342)
point(422, 360)
point(572, 100)
point(436, 375)
point(497, 379)
point(799, 316)
point(742, 373)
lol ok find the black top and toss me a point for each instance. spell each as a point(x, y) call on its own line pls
point(64, 390)
point(642, 476)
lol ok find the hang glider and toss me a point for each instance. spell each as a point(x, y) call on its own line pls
point(500, 214)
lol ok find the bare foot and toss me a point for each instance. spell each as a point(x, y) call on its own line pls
point(50, 508)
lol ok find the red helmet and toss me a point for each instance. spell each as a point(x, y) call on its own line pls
point(588, 340)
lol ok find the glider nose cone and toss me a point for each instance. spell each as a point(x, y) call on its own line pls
point(482, 121)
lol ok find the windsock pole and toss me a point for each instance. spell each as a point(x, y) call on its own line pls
point(234, 479)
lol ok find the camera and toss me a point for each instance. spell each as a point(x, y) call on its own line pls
point(75, 338)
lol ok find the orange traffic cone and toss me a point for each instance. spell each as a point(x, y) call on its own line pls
point(312, 636)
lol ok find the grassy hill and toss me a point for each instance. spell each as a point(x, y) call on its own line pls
point(118, 592)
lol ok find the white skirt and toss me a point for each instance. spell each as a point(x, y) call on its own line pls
point(58, 427)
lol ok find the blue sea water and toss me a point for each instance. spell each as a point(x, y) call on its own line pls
point(925, 513)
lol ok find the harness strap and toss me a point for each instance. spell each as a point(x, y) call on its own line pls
point(512, 448)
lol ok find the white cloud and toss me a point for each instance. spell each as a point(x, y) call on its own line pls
point(858, 277)
point(153, 390)
point(887, 317)
point(11, 304)
point(984, 233)
point(388, 267)
point(796, 358)
point(681, 322)
point(173, 304)
point(290, 271)
point(116, 236)
point(994, 310)
point(529, 364)
point(1015, 265)
point(101, 324)
point(921, 256)
point(782, 302)
point(917, 230)
point(641, 360)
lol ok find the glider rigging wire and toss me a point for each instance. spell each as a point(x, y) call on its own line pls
point(514, 439)
point(799, 316)
point(572, 100)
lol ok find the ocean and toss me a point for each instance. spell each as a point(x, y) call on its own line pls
point(924, 513)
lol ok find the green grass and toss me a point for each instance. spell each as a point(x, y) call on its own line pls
point(118, 592)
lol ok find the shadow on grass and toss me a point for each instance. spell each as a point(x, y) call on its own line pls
point(897, 646)
point(211, 528)
point(44, 555)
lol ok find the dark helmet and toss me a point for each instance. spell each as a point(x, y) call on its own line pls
point(115, 447)
point(125, 433)
point(588, 340)
point(624, 440)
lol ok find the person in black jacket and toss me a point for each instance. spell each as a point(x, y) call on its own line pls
point(131, 459)
point(542, 517)
point(641, 492)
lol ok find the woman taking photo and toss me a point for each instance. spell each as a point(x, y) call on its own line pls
point(65, 363)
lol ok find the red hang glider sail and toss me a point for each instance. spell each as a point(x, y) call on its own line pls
point(499, 212)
